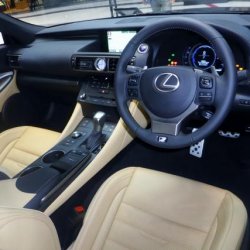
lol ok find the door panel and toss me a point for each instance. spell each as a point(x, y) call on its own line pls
point(5, 79)
point(7, 87)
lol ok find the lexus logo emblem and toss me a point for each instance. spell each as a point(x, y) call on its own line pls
point(167, 82)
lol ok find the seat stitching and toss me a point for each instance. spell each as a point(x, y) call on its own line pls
point(231, 218)
point(166, 219)
point(155, 236)
point(142, 230)
point(95, 200)
point(16, 141)
point(15, 161)
point(216, 226)
point(215, 218)
point(115, 215)
point(122, 244)
point(25, 151)
point(9, 149)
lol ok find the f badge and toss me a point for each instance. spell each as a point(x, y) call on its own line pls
point(167, 82)
point(162, 139)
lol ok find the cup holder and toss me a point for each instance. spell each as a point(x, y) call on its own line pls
point(53, 156)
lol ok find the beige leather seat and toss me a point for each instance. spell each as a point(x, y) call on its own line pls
point(21, 146)
point(139, 209)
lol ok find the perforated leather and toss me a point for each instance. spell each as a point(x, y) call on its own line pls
point(20, 146)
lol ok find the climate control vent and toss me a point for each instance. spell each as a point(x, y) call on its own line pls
point(94, 63)
point(113, 63)
point(14, 61)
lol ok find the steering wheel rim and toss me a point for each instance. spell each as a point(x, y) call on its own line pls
point(223, 93)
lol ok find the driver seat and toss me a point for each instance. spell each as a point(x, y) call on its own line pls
point(142, 209)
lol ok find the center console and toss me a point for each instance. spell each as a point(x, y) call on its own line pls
point(99, 90)
point(55, 170)
point(81, 153)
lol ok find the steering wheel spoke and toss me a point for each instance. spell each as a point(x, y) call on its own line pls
point(166, 128)
point(220, 90)
point(171, 126)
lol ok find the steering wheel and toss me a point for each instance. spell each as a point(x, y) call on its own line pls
point(168, 94)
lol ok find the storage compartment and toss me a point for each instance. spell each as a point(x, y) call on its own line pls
point(53, 156)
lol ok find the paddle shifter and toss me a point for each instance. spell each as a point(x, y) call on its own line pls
point(96, 138)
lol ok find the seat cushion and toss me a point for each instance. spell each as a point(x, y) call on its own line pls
point(144, 209)
point(20, 146)
point(26, 229)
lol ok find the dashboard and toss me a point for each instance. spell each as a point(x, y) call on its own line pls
point(83, 56)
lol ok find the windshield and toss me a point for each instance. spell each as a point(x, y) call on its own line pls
point(54, 12)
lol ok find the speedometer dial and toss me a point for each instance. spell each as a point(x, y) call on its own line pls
point(203, 57)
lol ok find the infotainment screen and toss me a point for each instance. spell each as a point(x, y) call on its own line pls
point(117, 40)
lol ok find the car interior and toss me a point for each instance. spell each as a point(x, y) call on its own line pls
point(125, 133)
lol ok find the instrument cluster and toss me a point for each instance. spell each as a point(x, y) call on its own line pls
point(196, 53)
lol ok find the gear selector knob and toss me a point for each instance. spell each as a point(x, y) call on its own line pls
point(99, 120)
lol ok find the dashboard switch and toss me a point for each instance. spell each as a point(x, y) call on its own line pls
point(206, 82)
point(76, 134)
point(143, 48)
point(83, 96)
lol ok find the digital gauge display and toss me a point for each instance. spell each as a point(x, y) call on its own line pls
point(203, 57)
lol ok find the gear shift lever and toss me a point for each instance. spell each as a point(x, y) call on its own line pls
point(96, 138)
point(99, 120)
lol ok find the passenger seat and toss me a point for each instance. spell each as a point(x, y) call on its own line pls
point(20, 146)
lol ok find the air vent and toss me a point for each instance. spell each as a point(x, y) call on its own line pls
point(113, 63)
point(14, 61)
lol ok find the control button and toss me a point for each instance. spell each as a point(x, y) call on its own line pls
point(103, 91)
point(78, 152)
point(94, 99)
point(69, 142)
point(104, 85)
point(143, 48)
point(206, 82)
point(132, 92)
point(133, 81)
point(85, 123)
point(207, 114)
point(244, 102)
point(76, 134)
point(83, 96)
point(132, 61)
point(205, 96)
